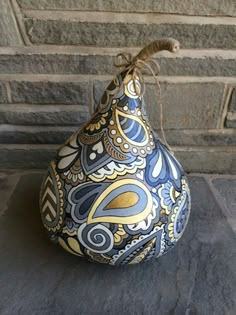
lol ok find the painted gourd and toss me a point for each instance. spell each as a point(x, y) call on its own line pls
point(114, 193)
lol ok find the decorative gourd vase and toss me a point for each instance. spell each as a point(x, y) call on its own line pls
point(114, 193)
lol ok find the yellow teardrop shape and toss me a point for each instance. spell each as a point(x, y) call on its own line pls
point(125, 200)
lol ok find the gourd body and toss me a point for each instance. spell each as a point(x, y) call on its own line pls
point(114, 193)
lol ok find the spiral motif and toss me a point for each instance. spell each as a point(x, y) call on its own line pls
point(96, 237)
point(132, 87)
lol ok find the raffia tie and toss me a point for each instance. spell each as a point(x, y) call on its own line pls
point(135, 67)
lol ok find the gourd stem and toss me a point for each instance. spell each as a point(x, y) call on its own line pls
point(169, 44)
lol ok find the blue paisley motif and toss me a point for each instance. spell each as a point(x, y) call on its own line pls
point(162, 167)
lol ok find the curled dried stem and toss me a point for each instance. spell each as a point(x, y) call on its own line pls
point(169, 44)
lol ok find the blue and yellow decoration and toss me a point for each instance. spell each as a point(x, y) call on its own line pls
point(114, 193)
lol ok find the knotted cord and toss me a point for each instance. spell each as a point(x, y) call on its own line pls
point(134, 66)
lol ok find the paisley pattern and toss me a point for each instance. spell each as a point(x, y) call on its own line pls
point(114, 193)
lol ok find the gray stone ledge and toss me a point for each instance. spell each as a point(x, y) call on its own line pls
point(203, 159)
point(192, 137)
point(26, 156)
point(48, 92)
point(28, 114)
point(185, 105)
point(9, 33)
point(208, 160)
point(12, 134)
point(67, 32)
point(126, 17)
point(192, 7)
point(60, 78)
point(3, 94)
point(61, 63)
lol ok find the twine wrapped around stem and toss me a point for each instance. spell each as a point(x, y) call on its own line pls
point(144, 60)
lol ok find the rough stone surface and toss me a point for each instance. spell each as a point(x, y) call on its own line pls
point(27, 114)
point(9, 33)
point(56, 134)
point(208, 159)
point(230, 123)
point(232, 105)
point(197, 277)
point(103, 64)
point(214, 255)
point(8, 182)
point(227, 190)
point(47, 92)
point(64, 32)
point(207, 66)
point(192, 7)
point(3, 96)
point(32, 134)
point(191, 137)
point(26, 156)
point(185, 105)
point(197, 159)
point(56, 64)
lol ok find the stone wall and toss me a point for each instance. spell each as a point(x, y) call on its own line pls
point(56, 58)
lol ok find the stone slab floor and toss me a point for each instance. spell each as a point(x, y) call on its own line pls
point(197, 277)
